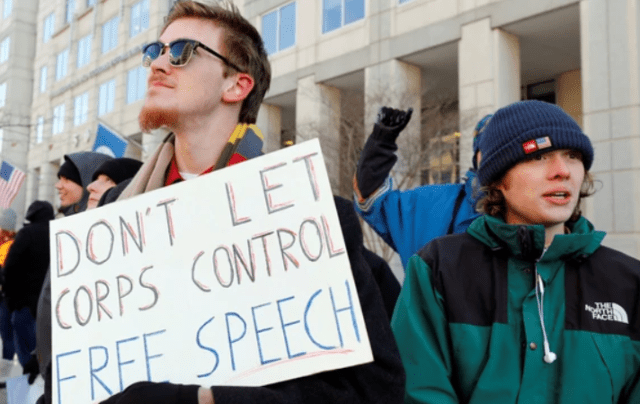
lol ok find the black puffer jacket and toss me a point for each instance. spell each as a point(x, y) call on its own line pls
point(28, 259)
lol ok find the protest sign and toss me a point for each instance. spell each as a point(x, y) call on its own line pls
point(238, 277)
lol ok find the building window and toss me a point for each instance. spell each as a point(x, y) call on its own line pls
point(44, 72)
point(80, 109)
point(136, 84)
point(58, 120)
point(84, 50)
point(4, 49)
point(106, 97)
point(3, 94)
point(47, 29)
point(70, 7)
point(110, 34)
point(6, 10)
point(139, 17)
point(91, 3)
point(279, 28)
point(40, 129)
point(62, 61)
point(404, 1)
point(336, 13)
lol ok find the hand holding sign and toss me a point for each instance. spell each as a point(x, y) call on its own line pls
point(157, 393)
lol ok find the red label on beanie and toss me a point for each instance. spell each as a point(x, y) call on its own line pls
point(530, 147)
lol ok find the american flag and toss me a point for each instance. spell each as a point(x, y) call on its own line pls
point(543, 142)
point(11, 179)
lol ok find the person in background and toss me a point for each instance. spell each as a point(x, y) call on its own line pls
point(108, 175)
point(7, 235)
point(212, 128)
point(74, 176)
point(24, 273)
point(406, 220)
point(8, 220)
point(527, 305)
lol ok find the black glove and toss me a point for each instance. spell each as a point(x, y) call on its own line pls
point(157, 393)
point(394, 120)
point(379, 153)
point(32, 368)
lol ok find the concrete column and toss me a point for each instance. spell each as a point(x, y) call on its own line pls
point(20, 204)
point(610, 37)
point(270, 123)
point(398, 85)
point(489, 78)
point(46, 184)
point(318, 115)
point(31, 185)
point(569, 94)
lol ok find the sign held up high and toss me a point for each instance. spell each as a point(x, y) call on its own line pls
point(239, 277)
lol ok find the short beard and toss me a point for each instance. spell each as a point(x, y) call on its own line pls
point(153, 117)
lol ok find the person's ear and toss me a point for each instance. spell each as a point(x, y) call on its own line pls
point(241, 86)
point(502, 185)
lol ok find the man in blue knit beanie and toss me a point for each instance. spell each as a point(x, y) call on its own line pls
point(527, 304)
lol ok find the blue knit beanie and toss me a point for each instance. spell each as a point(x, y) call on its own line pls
point(525, 129)
point(477, 134)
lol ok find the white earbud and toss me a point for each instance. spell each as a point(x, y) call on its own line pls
point(549, 356)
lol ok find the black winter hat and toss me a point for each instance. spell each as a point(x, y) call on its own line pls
point(39, 211)
point(525, 129)
point(118, 169)
point(69, 171)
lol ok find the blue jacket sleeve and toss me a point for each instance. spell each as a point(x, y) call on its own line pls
point(420, 326)
point(407, 220)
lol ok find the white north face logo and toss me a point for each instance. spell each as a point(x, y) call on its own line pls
point(608, 312)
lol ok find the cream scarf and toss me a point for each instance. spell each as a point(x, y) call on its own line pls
point(244, 143)
point(151, 174)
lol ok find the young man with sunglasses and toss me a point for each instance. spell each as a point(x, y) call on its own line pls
point(208, 75)
point(527, 306)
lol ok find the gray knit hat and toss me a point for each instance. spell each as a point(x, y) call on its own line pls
point(522, 130)
point(8, 220)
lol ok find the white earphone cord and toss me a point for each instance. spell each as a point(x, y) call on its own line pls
point(549, 356)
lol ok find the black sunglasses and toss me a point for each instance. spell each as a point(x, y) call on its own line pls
point(180, 52)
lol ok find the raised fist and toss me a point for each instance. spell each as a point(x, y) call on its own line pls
point(394, 119)
point(378, 155)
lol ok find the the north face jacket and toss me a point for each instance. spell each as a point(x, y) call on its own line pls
point(407, 220)
point(470, 322)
